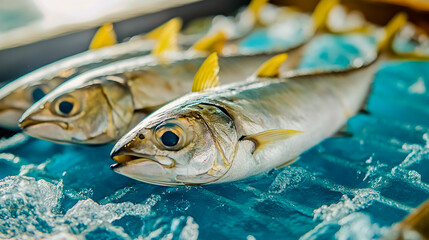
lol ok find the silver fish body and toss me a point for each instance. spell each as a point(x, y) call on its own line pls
point(147, 83)
point(215, 124)
point(20, 94)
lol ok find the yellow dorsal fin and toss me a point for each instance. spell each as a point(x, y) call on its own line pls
point(105, 36)
point(321, 12)
point(174, 24)
point(393, 26)
point(255, 6)
point(265, 138)
point(167, 40)
point(270, 68)
point(207, 75)
point(211, 43)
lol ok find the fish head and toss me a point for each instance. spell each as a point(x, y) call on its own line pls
point(18, 96)
point(97, 112)
point(193, 144)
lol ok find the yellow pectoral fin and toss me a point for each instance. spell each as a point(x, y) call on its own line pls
point(271, 68)
point(265, 138)
point(393, 26)
point(287, 163)
point(320, 14)
point(207, 75)
point(211, 43)
point(174, 24)
point(105, 36)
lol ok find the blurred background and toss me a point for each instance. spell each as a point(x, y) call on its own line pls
point(35, 33)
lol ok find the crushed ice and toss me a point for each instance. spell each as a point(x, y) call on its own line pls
point(31, 209)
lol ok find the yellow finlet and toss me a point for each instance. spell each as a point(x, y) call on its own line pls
point(207, 75)
point(270, 68)
point(211, 43)
point(174, 24)
point(321, 12)
point(105, 36)
point(265, 138)
point(167, 40)
point(256, 5)
point(393, 26)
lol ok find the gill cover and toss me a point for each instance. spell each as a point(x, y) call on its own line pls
point(119, 99)
point(222, 129)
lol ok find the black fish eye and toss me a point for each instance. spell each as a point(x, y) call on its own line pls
point(169, 139)
point(38, 94)
point(65, 107)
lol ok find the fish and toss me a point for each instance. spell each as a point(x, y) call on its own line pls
point(127, 91)
point(19, 95)
point(243, 129)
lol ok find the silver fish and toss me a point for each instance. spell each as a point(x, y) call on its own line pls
point(240, 130)
point(20, 94)
point(206, 137)
point(147, 83)
point(101, 105)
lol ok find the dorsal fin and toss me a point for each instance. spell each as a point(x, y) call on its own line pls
point(393, 26)
point(174, 24)
point(105, 36)
point(255, 6)
point(270, 68)
point(211, 43)
point(320, 14)
point(167, 40)
point(207, 76)
point(265, 138)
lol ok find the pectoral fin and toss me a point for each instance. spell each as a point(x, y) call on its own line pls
point(174, 24)
point(207, 75)
point(265, 138)
point(211, 43)
point(287, 163)
point(270, 68)
point(105, 36)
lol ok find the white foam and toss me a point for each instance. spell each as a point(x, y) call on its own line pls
point(335, 211)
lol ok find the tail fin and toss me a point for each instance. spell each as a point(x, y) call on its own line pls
point(105, 36)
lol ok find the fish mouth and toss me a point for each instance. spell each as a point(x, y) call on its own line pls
point(133, 158)
point(146, 168)
point(26, 123)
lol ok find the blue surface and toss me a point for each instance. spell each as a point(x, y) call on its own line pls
point(343, 188)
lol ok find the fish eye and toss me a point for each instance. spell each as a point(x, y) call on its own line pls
point(170, 137)
point(67, 106)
